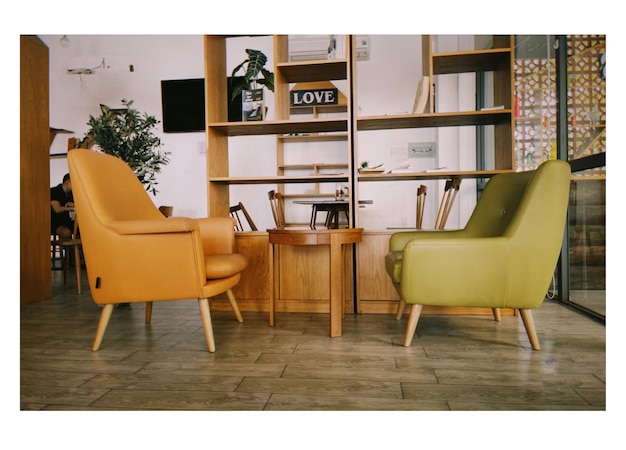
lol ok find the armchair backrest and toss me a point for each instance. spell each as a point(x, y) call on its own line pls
point(118, 195)
point(497, 204)
point(528, 208)
point(521, 202)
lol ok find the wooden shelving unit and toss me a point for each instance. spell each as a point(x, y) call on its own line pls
point(373, 290)
point(379, 296)
point(287, 129)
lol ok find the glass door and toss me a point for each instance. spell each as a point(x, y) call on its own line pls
point(586, 152)
point(560, 109)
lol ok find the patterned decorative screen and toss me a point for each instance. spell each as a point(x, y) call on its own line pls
point(535, 87)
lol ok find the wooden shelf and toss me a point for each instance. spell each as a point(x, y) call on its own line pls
point(285, 127)
point(310, 195)
point(451, 119)
point(435, 175)
point(470, 61)
point(318, 70)
point(314, 166)
point(308, 137)
point(321, 178)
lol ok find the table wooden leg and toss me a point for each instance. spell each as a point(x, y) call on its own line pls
point(336, 286)
point(272, 270)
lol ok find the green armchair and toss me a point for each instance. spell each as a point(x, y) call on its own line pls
point(504, 257)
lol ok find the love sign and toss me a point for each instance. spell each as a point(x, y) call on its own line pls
point(313, 97)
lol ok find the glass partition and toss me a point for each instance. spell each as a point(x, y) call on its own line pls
point(538, 120)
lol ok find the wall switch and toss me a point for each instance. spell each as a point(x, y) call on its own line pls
point(422, 150)
point(201, 148)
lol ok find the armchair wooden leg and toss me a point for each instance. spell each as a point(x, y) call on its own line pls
point(105, 315)
point(233, 304)
point(400, 310)
point(205, 313)
point(527, 318)
point(148, 312)
point(496, 314)
point(414, 317)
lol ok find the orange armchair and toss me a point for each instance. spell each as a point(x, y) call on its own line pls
point(135, 254)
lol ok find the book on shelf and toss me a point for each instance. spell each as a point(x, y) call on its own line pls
point(492, 108)
point(421, 96)
point(436, 169)
point(308, 47)
point(404, 167)
point(252, 105)
point(337, 46)
point(366, 170)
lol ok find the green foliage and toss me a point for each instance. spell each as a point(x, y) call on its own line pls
point(255, 65)
point(128, 134)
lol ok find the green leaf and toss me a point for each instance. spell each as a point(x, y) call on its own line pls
point(255, 67)
point(129, 136)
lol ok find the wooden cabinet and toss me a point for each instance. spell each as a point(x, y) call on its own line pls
point(35, 138)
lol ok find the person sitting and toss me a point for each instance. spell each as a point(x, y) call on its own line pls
point(61, 204)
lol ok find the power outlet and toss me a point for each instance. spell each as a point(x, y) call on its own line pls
point(422, 150)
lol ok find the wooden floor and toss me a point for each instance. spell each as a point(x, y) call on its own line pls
point(459, 363)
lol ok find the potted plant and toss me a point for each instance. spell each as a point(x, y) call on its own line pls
point(128, 134)
point(255, 74)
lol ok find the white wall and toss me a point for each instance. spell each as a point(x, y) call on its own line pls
point(182, 183)
point(386, 84)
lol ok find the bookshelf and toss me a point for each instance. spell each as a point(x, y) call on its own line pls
point(342, 128)
point(288, 128)
point(375, 294)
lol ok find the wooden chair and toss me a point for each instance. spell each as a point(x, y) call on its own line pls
point(66, 245)
point(167, 211)
point(421, 201)
point(234, 212)
point(447, 200)
point(60, 251)
point(56, 253)
point(278, 211)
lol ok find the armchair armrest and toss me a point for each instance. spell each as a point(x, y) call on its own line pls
point(453, 272)
point(152, 226)
point(218, 235)
point(398, 241)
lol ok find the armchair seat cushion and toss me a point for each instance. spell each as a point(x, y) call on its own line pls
point(393, 266)
point(223, 266)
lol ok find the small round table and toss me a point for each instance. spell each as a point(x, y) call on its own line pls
point(335, 238)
